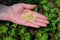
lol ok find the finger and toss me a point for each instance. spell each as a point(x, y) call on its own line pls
point(40, 24)
point(39, 15)
point(31, 25)
point(42, 21)
point(36, 14)
point(26, 24)
point(29, 6)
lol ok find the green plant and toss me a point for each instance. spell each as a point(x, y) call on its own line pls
point(58, 2)
point(11, 31)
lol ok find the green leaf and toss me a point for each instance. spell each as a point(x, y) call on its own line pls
point(23, 30)
point(52, 10)
point(36, 9)
point(58, 26)
point(58, 19)
point(29, 1)
point(57, 36)
point(51, 16)
point(45, 7)
point(7, 23)
point(8, 38)
point(27, 36)
point(39, 35)
point(44, 1)
point(56, 10)
point(0, 39)
point(14, 25)
point(59, 13)
point(58, 2)
point(3, 29)
point(46, 14)
point(22, 35)
point(49, 4)
point(36, 1)
point(12, 32)
point(44, 37)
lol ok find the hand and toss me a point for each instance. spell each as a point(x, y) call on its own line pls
point(16, 10)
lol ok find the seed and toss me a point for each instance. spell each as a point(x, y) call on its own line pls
point(29, 17)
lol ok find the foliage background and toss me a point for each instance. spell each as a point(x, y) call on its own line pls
point(49, 8)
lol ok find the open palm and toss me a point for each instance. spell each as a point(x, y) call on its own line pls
point(16, 10)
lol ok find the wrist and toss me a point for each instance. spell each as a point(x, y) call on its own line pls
point(3, 14)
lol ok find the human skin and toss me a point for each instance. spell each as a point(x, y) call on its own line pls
point(13, 14)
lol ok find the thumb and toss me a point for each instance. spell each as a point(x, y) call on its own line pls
point(29, 6)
